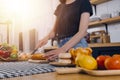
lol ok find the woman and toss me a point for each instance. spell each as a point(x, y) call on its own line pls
point(72, 19)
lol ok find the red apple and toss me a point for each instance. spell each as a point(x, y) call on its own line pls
point(100, 61)
point(5, 54)
point(1, 52)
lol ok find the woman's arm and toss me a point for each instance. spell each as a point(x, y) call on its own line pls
point(80, 34)
point(50, 35)
point(51, 55)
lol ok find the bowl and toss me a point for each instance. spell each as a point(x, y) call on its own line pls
point(7, 59)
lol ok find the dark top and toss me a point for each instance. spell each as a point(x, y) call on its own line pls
point(68, 17)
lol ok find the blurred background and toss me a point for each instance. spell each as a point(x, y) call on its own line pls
point(24, 22)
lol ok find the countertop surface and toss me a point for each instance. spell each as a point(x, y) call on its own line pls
point(79, 76)
point(55, 76)
point(103, 44)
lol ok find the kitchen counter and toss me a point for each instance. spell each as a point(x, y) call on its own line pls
point(105, 48)
point(104, 44)
point(54, 76)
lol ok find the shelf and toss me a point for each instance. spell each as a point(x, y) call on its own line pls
point(105, 21)
point(95, 2)
point(104, 44)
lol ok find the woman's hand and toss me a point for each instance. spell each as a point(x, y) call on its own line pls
point(42, 42)
point(52, 55)
point(45, 40)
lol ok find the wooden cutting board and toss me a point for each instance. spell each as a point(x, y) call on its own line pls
point(67, 70)
point(102, 72)
point(90, 72)
point(38, 61)
point(57, 64)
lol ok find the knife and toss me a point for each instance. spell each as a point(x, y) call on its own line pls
point(34, 51)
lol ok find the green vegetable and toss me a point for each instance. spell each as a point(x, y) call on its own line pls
point(13, 56)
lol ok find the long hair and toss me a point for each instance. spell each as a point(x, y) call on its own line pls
point(62, 1)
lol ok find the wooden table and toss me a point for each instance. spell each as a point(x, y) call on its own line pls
point(80, 76)
point(55, 76)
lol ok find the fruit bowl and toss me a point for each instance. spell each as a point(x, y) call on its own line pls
point(8, 52)
point(8, 59)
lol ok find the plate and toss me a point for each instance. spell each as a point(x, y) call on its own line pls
point(38, 61)
point(89, 72)
point(102, 72)
point(57, 64)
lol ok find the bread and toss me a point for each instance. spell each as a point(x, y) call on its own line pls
point(47, 49)
point(65, 61)
point(64, 56)
point(38, 56)
point(24, 56)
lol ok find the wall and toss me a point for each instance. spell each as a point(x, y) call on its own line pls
point(26, 15)
point(42, 22)
point(109, 7)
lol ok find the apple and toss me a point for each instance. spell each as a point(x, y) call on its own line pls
point(13, 56)
point(5, 54)
point(1, 52)
point(100, 61)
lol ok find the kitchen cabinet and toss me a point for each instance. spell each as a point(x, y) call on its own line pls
point(108, 50)
point(105, 49)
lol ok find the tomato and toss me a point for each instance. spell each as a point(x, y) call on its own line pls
point(116, 55)
point(100, 61)
point(112, 63)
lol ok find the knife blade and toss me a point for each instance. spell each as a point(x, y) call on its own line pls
point(34, 51)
